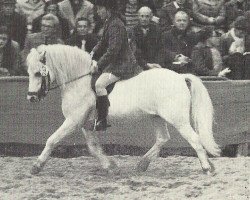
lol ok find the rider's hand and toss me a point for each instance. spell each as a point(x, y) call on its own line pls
point(94, 67)
point(91, 54)
point(224, 72)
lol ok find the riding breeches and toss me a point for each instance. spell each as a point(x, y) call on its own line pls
point(103, 82)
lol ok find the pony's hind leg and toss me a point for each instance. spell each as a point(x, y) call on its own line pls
point(162, 136)
point(65, 129)
point(193, 139)
point(96, 150)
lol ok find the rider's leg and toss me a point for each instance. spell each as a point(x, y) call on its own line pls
point(102, 102)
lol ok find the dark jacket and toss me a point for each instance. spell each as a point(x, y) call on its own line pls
point(117, 57)
point(17, 26)
point(168, 12)
point(76, 40)
point(11, 58)
point(146, 46)
point(148, 3)
point(234, 9)
point(203, 62)
point(64, 26)
point(175, 42)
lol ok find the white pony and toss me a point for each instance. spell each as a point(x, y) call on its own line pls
point(159, 94)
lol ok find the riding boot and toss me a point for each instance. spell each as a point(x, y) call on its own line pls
point(102, 105)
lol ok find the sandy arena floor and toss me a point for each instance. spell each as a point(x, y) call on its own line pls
point(171, 178)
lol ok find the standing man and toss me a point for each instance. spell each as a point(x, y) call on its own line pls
point(74, 9)
point(177, 45)
point(146, 39)
point(117, 60)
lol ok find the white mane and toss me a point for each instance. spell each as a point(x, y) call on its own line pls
point(66, 62)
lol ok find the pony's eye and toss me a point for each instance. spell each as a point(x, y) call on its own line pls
point(37, 74)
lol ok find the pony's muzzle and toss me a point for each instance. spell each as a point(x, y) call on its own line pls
point(32, 97)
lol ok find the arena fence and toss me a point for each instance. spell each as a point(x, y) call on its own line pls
point(33, 123)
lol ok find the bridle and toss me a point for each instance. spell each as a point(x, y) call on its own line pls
point(46, 81)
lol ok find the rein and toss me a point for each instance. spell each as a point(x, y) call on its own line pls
point(75, 79)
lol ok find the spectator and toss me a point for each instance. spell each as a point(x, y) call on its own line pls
point(51, 7)
point(15, 22)
point(9, 54)
point(145, 37)
point(206, 58)
point(81, 36)
point(208, 12)
point(177, 45)
point(233, 48)
point(74, 9)
point(247, 47)
point(31, 9)
point(167, 13)
point(235, 8)
point(49, 35)
point(129, 8)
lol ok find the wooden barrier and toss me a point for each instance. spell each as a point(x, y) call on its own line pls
point(33, 123)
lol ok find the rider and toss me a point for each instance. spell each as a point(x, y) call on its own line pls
point(117, 60)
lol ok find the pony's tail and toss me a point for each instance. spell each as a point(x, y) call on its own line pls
point(202, 114)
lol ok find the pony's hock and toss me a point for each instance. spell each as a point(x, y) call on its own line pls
point(141, 97)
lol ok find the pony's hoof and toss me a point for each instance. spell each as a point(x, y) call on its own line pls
point(142, 166)
point(36, 168)
point(113, 168)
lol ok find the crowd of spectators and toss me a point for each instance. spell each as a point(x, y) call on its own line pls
point(202, 37)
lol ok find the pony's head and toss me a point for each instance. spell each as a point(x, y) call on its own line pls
point(55, 63)
point(39, 75)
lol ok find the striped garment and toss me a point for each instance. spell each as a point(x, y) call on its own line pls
point(131, 15)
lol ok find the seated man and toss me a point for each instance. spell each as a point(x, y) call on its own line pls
point(177, 45)
point(145, 38)
point(206, 58)
point(208, 12)
point(235, 8)
point(232, 48)
point(81, 36)
point(9, 54)
point(49, 35)
point(167, 13)
point(51, 7)
point(15, 22)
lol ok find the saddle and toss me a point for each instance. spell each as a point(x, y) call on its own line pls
point(94, 79)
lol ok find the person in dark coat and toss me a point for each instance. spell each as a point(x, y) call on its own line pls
point(206, 58)
point(247, 47)
point(81, 36)
point(117, 60)
point(9, 54)
point(167, 13)
point(177, 45)
point(15, 22)
point(232, 47)
point(51, 7)
point(146, 39)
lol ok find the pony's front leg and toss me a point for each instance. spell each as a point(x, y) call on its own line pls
point(65, 129)
point(96, 150)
